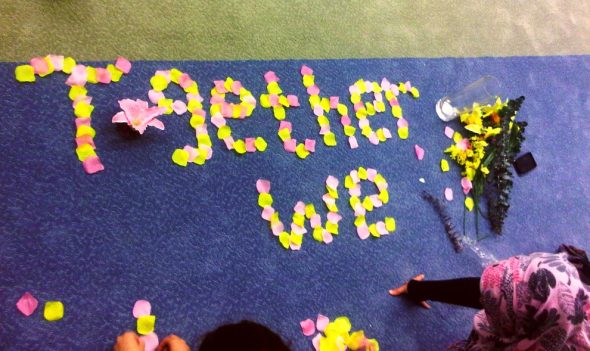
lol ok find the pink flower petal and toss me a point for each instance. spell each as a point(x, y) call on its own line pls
point(419, 152)
point(267, 212)
point(449, 132)
point(345, 120)
point(270, 76)
point(355, 191)
point(373, 139)
point(449, 194)
point(191, 151)
point(354, 174)
point(82, 122)
point(334, 100)
point(313, 90)
point(92, 165)
point(322, 322)
point(290, 145)
point(327, 237)
point(294, 247)
point(371, 174)
point(376, 200)
point(278, 228)
point(216, 99)
point(318, 110)
point(353, 142)
point(316, 341)
point(185, 81)
point(156, 123)
point(306, 71)
point(103, 75)
point(120, 117)
point(82, 98)
point(387, 133)
point(299, 207)
point(263, 186)
point(364, 123)
point(40, 65)
point(353, 89)
point(310, 145)
point(250, 147)
point(220, 86)
point(466, 185)
point(27, 304)
point(385, 84)
point(236, 86)
point(150, 341)
point(155, 96)
point(57, 61)
point(381, 228)
point(229, 143)
point(142, 308)
point(293, 100)
point(179, 107)
point(334, 217)
point(227, 110)
point(285, 125)
point(273, 99)
point(408, 85)
point(78, 76)
point(359, 210)
point(250, 100)
point(325, 129)
point(85, 139)
point(328, 199)
point(123, 64)
point(209, 151)
point(363, 231)
point(402, 123)
point(218, 120)
point(315, 221)
point(297, 229)
point(308, 327)
point(332, 182)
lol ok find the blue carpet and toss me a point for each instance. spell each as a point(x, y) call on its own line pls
point(191, 240)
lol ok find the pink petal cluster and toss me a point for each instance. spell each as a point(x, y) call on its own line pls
point(138, 115)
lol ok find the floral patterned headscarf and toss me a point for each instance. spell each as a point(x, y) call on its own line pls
point(539, 302)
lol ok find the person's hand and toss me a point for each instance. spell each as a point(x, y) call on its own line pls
point(128, 341)
point(404, 290)
point(173, 343)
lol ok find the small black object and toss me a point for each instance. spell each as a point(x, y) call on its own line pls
point(525, 164)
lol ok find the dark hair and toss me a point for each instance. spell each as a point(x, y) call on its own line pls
point(243, 336)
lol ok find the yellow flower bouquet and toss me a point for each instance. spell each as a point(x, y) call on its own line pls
point(486, 152)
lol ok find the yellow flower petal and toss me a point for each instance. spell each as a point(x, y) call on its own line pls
point(146, 324)
point(469, 203)
point(54, 310)
point(180, 157)
point(25, 73)
point(444, 165)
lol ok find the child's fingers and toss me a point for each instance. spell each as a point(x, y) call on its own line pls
point(399, 291)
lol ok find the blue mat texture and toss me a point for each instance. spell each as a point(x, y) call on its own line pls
point(192, 242)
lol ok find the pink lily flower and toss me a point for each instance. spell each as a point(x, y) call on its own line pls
point(138, 115)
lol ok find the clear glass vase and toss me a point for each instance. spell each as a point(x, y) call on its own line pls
point(483, 91)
